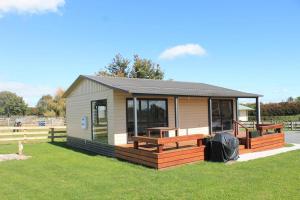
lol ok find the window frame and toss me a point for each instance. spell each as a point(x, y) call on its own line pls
point(221, 113)
point(147, 99)
point(92, 118)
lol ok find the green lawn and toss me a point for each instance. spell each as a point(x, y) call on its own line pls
point(56, 172)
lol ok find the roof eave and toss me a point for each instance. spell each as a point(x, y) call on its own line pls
point(183, 95)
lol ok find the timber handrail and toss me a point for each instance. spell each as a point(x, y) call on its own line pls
point(236, 132)
point(236, 122)
point(160, 142)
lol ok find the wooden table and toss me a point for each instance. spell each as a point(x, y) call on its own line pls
point(162, 130)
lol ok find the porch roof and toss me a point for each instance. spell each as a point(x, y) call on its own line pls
point(163, 87)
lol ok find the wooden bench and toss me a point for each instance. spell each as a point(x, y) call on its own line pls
point(160, 142)
point(264, 128)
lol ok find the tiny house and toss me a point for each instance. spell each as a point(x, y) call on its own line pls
point(103, 112)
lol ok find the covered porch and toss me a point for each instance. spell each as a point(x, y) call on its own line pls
point(170, 116)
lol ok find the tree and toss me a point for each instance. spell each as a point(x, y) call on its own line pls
point(297, 99)
point(45, 104)
point(290, 99)
point(59, 103)
point(141, 68)
point(49, 106)
point(145, 68)
point(31, 111)
point(118, 67)
point(11, 104)
point(278, 109)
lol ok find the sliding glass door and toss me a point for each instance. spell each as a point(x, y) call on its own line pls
point(99, 120)
point(222, 115)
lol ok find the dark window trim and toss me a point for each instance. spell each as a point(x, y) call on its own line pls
point(91, 123)
point(149, 99)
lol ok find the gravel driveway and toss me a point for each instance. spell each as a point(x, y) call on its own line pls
point(292, 137)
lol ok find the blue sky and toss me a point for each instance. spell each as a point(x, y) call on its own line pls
point(252, 46)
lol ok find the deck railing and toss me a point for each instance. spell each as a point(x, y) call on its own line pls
point(237, 126)
point(160, 142)
point(263, 129)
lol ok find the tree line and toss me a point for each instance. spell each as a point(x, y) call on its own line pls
point(55, 106)
point(290, 107)
point(47, 106)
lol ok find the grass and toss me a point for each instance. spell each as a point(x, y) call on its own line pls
point(288, 145)
point(56, 172)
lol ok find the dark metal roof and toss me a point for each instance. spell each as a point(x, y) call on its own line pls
point(165, 87)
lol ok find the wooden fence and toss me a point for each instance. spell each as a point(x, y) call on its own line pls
point(292, 126)
point(27, 134)
point(32, 121)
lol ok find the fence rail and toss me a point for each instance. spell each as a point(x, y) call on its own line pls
point(32, 121)
point(24, 134)
point(287, 125)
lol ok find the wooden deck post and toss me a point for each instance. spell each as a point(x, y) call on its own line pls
point(199, 142)
point(176, 118)
point(236, 130)
point(176, 112)
point(135, 116)
point(258, 119)
point(160, 148)
point(136, 144)
point(210, 115)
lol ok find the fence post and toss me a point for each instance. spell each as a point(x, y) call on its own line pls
point(52, 134)
point(292, 128)
point(20, 148)
point(254, 125)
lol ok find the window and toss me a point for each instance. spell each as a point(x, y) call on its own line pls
point(222, 115)
point(150, 113)
point(99, 120)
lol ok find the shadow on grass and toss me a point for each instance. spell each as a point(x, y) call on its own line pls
point(63, 144)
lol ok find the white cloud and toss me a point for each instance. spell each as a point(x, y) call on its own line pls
point(181, 50)
point(30, 6)
point(30, 93)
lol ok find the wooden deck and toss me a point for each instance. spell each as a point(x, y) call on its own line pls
point(147, 155)
point(188, 151)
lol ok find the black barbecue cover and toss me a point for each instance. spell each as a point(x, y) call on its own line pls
point(222, 147)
